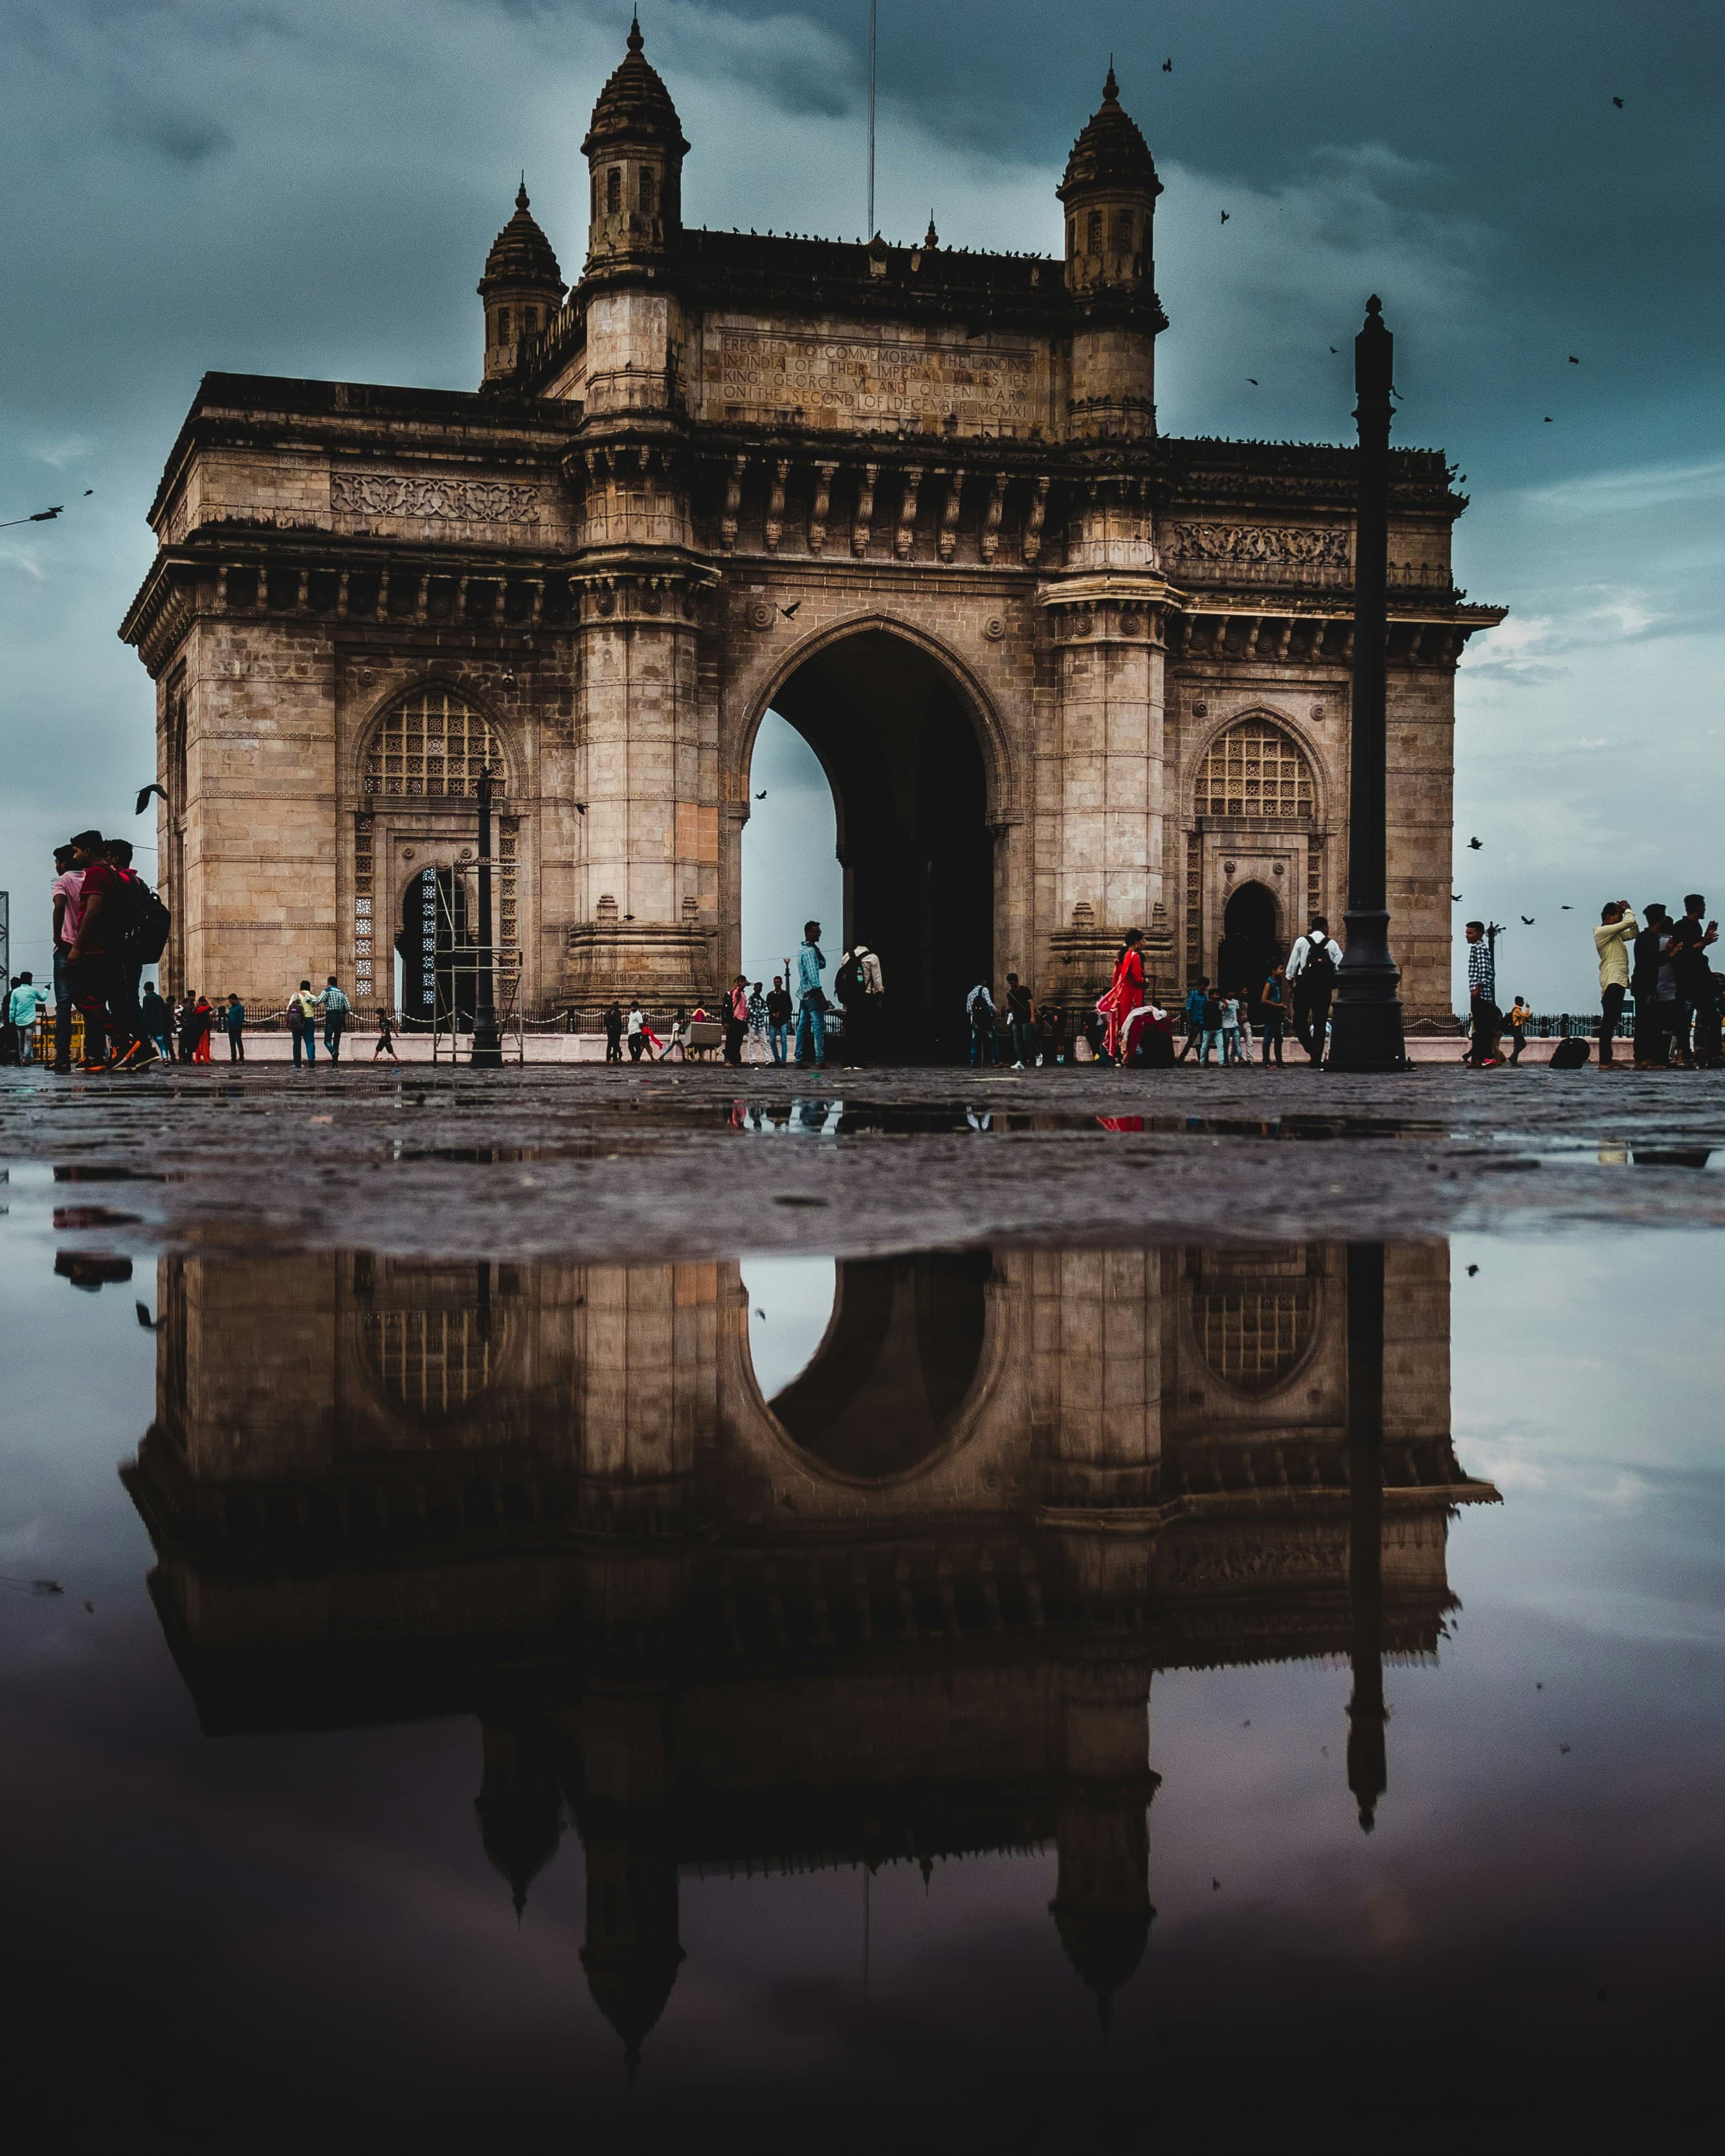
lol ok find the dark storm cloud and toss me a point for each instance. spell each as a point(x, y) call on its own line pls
point(191, 184)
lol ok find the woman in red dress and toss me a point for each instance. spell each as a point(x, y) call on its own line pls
point(1126, 993)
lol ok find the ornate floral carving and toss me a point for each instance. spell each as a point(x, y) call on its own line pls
point(1260, 546)
point(460, 501)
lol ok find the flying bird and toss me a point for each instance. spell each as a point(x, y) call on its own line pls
point(40, 516)
point(1167, 67)
point(1332, 348)
point(149, 1323)
point(1527, 921)
point(1471, 1270)
point(1253, 379)
point(1618, 102)
point(1475, 845)
point(1566, 909)
point(1224, 220)
point(1455, 898)
point(761, 795)
point(1573, 360)
point(580, 808)
point(789, 611)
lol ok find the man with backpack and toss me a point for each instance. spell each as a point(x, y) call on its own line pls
point(857, 985)
point(103, 971)
point(336, 1009)
point(301, 1013)
point(1312, 967)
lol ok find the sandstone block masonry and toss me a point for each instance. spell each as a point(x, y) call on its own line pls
point(1069, 675)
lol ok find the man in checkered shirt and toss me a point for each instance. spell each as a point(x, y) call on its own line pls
point(1486, 1020)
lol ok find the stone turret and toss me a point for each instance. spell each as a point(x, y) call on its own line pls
point(1109, 196)
point(634, 150)
point(521, 288)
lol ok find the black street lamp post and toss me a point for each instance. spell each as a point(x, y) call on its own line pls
point(487, 1048)
point(1366, 1029)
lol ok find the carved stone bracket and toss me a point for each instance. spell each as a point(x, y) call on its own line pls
point(860, 529)
point(775, 504)
point(948, 539)
point(733, 503)
point(991, 517)
point(822, 504)
point(905, 538)
point(1033, 521)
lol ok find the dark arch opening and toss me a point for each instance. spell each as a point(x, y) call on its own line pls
point(900, 752)
point(897, 1363)
point(1249, 943)
point(435, 944)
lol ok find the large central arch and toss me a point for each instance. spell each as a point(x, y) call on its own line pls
point(914, 764)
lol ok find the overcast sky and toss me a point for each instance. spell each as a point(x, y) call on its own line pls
point(312, 190)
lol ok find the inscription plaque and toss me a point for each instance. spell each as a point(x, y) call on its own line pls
point(867, 383)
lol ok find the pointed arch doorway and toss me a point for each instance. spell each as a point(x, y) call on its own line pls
point(1250, 944)
point(900, 751)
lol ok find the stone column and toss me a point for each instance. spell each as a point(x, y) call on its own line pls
point(1104, 780)
point(647, 742)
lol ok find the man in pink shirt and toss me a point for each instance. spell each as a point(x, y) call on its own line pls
point(67, 916)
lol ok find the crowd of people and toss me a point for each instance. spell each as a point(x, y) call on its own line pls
point(768, 1026)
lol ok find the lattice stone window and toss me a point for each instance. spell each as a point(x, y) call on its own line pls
point(1254, 1337)
point(431, 1360)
point(509, 844)
point(1194, 910)
point(1255, 769)
point(1314, 878)
point(432, 744)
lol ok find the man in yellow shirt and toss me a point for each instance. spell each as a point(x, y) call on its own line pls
point(1613, 938)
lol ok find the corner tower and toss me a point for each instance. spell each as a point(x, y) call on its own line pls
point(521, 288)
point(1109, 197)
point(634, 150)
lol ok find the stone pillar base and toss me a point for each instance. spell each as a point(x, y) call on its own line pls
point(660, 963)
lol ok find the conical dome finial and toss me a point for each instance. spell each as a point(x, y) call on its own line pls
point(1110, 88)
point(635, 40)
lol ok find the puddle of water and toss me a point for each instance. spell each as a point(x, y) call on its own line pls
point(838, 1683)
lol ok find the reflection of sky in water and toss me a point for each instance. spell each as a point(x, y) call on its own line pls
point(790, 1303)
point(318, 1908)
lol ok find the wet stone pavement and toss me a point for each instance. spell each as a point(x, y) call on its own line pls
point(914, 1609)
point(552, 1160)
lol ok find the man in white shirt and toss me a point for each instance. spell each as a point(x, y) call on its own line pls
point(1312, 968)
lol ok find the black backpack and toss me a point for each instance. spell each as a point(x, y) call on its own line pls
point(1571, 1054)
point(1320, 967)
point(848, 982)
point(143, 920)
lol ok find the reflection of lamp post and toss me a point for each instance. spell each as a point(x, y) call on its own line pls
point(1366, 1024)
point(1367, 1769)
point(487, 1049)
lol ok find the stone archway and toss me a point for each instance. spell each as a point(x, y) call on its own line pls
point(913, 782)
point(1251, 942)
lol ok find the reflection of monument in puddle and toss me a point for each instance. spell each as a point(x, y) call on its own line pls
point(910, 1609)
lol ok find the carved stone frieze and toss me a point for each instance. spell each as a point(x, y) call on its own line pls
point(454, 500)
point(1289, 546)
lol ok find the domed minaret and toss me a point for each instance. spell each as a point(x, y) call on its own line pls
point(522, 288)
point(1109, 196)
point(634, 150)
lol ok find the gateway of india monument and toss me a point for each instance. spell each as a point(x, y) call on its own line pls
point(1067, 675)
